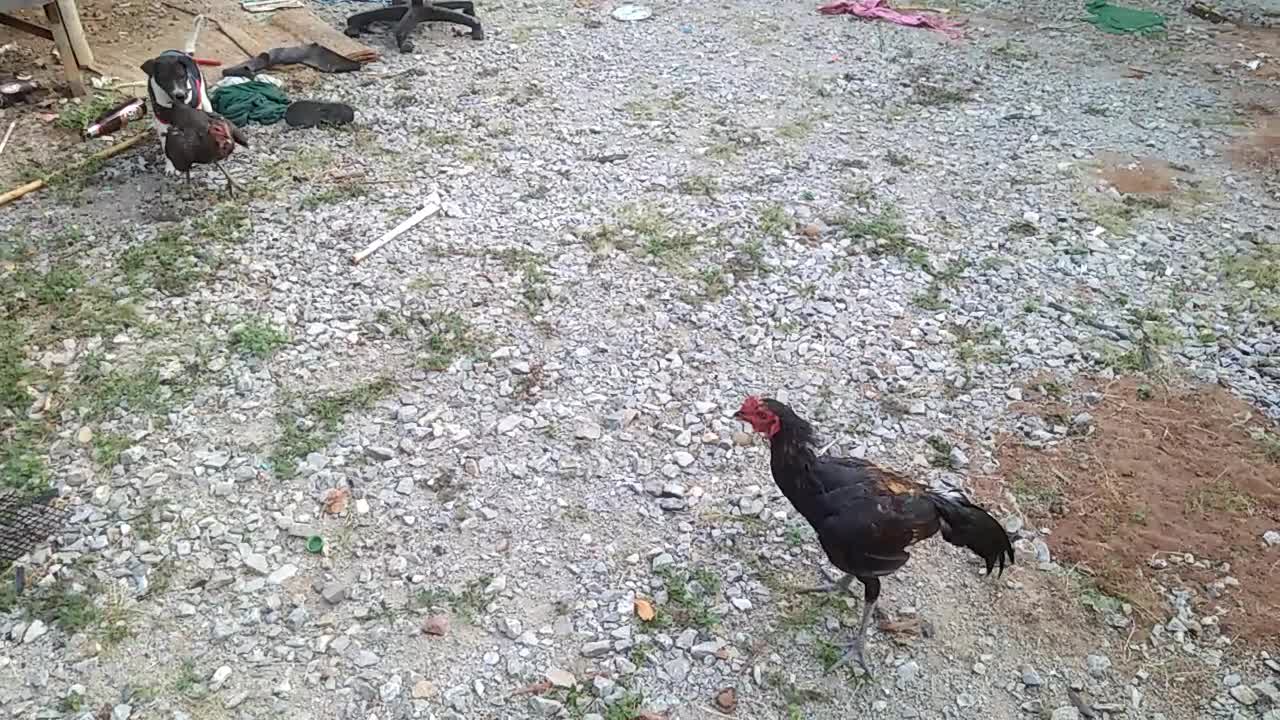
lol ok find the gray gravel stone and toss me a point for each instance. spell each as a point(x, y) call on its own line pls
point(1244, 695)
point(1098, 665)
point(677, 670)
point(334, 592)
point(257, 563)
point(34, 631)
point(598, 648)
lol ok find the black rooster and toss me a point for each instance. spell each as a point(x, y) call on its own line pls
point(865, 517)
point(200, 138)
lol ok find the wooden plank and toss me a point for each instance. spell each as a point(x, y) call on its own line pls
point(308, 28)
point(26, 27)
point(75, 32)
point(231, 35)
point(69, 65)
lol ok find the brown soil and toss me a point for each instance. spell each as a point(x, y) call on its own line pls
point(1165, 473)
point(1260, 148)
point(1146, 176)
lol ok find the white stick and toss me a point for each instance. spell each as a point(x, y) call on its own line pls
point(5, 141)
point(196, 27)
point(255, 6)
point(431, 208)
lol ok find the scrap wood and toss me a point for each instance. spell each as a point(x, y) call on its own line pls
point(257, 6)
point(308, 27)
point(27, 27)
point(431, 208)
point(197, 26)
point(1204, 12)
point(297, 22)
point(112, 151)
point(233, 32)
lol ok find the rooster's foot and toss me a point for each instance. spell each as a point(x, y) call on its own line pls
point(852, 653)
point(231, 184)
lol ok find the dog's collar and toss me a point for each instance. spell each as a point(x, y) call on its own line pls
point(197, 85)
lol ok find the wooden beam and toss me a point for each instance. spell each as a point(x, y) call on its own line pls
point(69, 65)
point(26, 27)
point(75, 32)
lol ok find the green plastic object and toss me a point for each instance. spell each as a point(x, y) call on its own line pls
point(1120, 20)
point(253, 101)
point(315, 544)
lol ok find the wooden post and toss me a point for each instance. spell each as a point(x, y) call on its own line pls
point(75, 32)
point(69, 64)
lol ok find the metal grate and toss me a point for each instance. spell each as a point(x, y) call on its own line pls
point(26, 522)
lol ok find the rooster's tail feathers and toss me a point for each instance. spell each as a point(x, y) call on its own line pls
point(967, 525)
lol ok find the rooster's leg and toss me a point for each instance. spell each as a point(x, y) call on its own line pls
point(842, 585)
point(854, 652)
point(231, 185)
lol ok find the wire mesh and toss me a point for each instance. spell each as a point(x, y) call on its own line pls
point(26, 522)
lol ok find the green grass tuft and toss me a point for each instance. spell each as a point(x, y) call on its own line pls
point(313, 426)
point(257, 337)
point(450, 338)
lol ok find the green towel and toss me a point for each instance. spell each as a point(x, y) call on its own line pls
point(1117, 19)
point(253, 101)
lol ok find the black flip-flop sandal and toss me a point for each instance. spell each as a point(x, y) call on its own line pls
point(313, 113)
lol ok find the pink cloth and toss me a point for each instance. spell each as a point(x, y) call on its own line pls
point(879, 9)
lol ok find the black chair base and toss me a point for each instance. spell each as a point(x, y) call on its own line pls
point(408, 14)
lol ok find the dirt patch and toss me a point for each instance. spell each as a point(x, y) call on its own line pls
point(1260, 148)
point(1145, 176)
point(1165, 486)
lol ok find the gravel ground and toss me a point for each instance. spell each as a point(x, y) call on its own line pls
point(512, 425)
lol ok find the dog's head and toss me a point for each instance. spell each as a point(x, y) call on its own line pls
point(175, 74)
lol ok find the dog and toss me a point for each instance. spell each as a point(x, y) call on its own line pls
point(173, 77)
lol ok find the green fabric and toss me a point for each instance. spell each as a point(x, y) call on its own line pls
point(1117, 19)
point(253, 101)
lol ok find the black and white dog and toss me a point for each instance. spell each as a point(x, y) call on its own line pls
point(173, 77)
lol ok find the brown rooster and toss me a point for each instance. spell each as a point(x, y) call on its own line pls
point(200, 138)
point(865, 517)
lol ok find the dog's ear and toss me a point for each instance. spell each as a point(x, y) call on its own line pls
point(148, 66)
